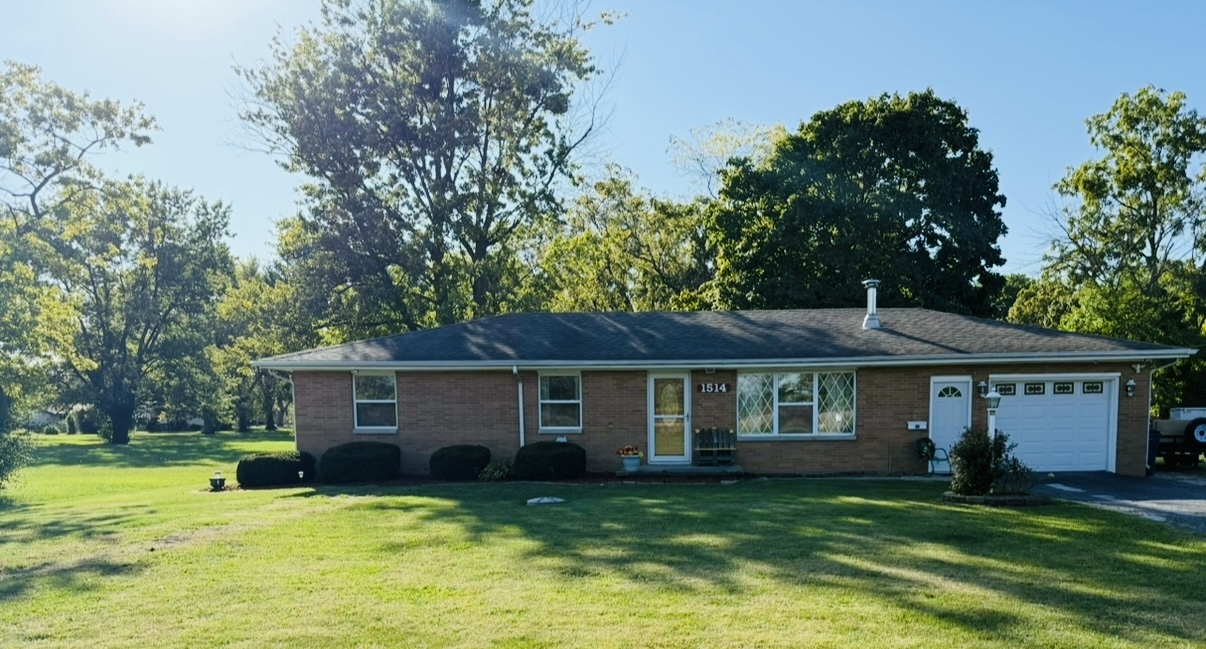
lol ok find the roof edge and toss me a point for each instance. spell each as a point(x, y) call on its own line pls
point(1171, 353)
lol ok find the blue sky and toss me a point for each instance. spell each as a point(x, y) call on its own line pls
point(1027, 72)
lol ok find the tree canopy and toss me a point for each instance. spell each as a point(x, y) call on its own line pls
point(895, 188)
point(432, 132)
point(622, 250)
point(138, 265)
point(1129, 258)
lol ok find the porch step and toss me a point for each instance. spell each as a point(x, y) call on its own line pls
point(682, 469)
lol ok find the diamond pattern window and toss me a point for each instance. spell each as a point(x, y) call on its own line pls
point(795, 403)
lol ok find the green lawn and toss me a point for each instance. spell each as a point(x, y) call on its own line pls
point(103, 546)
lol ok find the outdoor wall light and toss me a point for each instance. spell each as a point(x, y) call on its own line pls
point(983, 387)
point(217, 482)
point(1130, 387)
point(994, 401)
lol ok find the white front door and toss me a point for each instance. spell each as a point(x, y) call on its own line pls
point(950, 409)
point(669, 419)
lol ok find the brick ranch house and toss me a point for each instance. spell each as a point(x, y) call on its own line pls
point(824, 391)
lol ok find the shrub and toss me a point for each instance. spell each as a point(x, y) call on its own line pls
point(550, 461)
point(71, 427)
point(89, 421)
point(360, 462)
point(460, 462)
point(274, 469)
point(15, 447)
point(982, 465)
point(498, 471)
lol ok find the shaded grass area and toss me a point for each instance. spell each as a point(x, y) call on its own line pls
point(763, 563)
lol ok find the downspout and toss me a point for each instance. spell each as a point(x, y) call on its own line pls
point(519, 382)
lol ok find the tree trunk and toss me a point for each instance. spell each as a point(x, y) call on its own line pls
point(267, 387)
point(243, 420)
point(121, 420)
point(5, 407)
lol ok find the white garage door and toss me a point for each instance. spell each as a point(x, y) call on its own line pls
point(1059, 424)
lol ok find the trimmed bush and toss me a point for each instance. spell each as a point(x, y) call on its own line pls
point(461, 462)
point(987, 466)
point(360, 462)
point(89, 421)
point(498, 471)
point(550, 461)
point(71, 429)
point(274, 469)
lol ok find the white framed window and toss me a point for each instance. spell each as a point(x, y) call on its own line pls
point(375, 403)
point(795, 404)
point(561, 403)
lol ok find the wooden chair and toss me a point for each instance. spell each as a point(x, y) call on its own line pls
point(715, 446)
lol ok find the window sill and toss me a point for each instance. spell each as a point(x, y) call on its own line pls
point(375, 431)
point(559, 431)
point(819, 437)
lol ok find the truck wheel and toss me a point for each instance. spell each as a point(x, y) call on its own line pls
point(1196, 431)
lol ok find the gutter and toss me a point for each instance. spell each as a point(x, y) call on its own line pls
point(1174, 354)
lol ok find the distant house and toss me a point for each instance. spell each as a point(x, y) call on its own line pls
point(825, 391)
point(42, 418)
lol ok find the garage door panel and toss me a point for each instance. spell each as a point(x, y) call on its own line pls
point(1058, 432)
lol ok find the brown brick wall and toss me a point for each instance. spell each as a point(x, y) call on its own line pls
point(438, 409)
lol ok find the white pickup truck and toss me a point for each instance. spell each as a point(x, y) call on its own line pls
point(1182, 436)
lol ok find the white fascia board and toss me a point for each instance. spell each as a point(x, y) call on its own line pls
point(846, 362)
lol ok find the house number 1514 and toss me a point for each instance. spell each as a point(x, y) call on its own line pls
point(712, 388)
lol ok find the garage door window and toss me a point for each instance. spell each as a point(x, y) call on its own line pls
point(1006, 389)
point(1064, 387)
point(1036, 389)
point(1092, 387)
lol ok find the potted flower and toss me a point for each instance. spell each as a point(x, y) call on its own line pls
point(631, 457)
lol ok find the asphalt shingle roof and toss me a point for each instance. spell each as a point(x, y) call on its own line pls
point(734, 336)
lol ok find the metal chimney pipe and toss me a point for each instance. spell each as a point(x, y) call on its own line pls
point(871, 320)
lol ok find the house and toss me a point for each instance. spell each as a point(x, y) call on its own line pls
point(824, 391)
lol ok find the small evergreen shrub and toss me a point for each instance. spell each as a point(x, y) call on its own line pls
point(360, 462)
point(987, 466)
point(461, 462)
point(89, 421)
point(274, 469)
point(15, 446)
point(498, 471)
point(71, 427)
point(550, 461)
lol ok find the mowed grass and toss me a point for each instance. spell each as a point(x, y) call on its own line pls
point(121, 547)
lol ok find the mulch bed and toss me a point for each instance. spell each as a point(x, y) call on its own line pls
point(1010, 500)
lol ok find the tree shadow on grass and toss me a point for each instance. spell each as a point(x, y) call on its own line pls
point(151, 449)
point(1091, 570)
point(79, 576)
point(23, 528)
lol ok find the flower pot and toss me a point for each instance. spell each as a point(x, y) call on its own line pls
point(631, 462)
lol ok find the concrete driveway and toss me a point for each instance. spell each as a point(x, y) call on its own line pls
point(1176, 499)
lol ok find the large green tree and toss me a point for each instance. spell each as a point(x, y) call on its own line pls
point(433, 132)
point(1136, 211)
point(257, 316)
point(621, 250)
point(49, 137)
point(894, 187)
point(1128, 261)
point(139, 265)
